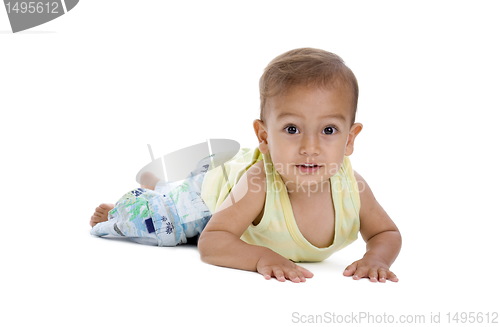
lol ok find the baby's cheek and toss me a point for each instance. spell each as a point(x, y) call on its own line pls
point(281, 168)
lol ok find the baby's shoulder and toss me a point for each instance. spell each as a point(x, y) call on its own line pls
point(256, 189)
point(366, 197)
point(257, 169)
point(248, 195)
point(255, 176)
point(252, 180)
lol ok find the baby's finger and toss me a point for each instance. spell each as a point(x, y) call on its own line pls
point(373, 274)
point(392, 277)
point(279, 274)
point(382, 275)
point(360, 272)
point(266, 272)
point(293, 276)
point(300, 275)
point(305, 273)
point(349, 271)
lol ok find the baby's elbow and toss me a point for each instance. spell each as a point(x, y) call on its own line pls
point(205, 247)
point(400, 238)
point(396, 235)
point(395, 238)
point(202, 246)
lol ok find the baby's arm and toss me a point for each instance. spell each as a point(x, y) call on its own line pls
point(220, 242)
point(382, 237)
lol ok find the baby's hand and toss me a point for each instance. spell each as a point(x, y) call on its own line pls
point(274, 265)
point(372, 268)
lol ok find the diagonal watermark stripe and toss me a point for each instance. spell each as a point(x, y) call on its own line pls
point(25, 14)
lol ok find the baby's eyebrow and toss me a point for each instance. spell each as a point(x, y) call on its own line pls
point(335, 116)
point(284, 115)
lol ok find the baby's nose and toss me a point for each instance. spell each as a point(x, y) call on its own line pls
point(309, 146)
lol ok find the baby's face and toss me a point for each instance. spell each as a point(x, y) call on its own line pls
point(307, 132)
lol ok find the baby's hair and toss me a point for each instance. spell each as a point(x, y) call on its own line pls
point(308, 67)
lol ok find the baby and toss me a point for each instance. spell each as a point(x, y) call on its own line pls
point(294, 198)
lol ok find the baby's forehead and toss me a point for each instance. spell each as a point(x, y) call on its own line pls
point(340, 98)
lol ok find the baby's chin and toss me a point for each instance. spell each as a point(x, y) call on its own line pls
point(305, 182)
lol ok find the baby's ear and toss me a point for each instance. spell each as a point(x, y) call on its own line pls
point(355, 129)
point(261, 133)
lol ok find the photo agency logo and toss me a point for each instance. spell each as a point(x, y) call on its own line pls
point(24, 14)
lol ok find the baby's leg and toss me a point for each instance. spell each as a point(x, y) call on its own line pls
point(166, 216)
point(140, 216)
point(101, 213)
point(148, 180)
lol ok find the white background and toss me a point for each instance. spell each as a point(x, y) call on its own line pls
point(81, 96)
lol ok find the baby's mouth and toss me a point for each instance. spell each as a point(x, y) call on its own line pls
point(308, 167)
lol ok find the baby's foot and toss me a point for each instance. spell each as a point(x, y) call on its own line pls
point(101, 213)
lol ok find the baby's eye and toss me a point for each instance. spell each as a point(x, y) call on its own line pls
point(291, 129)
point(329, 130)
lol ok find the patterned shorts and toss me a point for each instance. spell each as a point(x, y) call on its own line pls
point(167, 216)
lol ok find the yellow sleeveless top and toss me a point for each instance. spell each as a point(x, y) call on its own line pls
point(277, 229)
